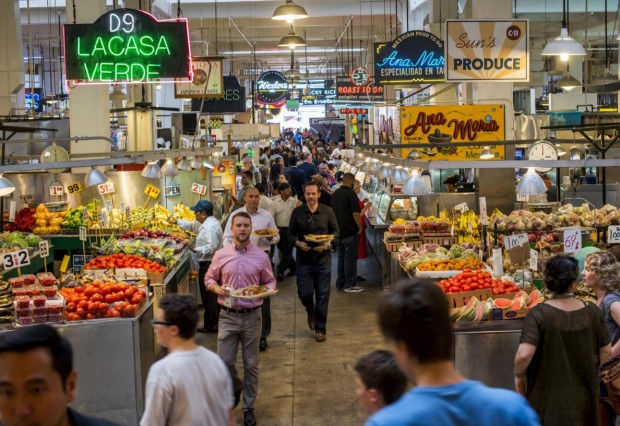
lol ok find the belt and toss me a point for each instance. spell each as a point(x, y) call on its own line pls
point(239, 311)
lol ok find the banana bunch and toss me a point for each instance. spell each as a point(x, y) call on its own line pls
point(182, 212)
point(467, 227)
point(160, 217)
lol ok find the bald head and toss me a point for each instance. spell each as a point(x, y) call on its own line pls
point(348, 179)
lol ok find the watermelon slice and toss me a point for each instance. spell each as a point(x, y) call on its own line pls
point(479, 311)
point(534, 299)
point(503, 304)
point(469, 310)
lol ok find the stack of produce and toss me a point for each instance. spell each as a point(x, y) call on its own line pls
point(470, 280)
point(411, 259)
point(48, 222)
point(160, 217)
point(74, 218)
point(6, 303)
point(403, 230)
point(467, 227)
point(24, 221)
point(114, 219)
point(177, 237)
point(11, 241)
point(182, 212)
point(476, 310)
point(36, 299)
point(140, 218)
point(120, 260)
point(99, 299)
point(435, 225)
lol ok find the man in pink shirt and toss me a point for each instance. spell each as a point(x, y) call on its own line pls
point(239, 265)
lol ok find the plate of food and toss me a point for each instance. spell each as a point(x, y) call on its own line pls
point(319, 238)
point(253, 292)
point(266, 232)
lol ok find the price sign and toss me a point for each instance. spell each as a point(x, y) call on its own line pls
point(463, 207)
point(613, 234)
point(483, 210)
point(82, 233)
point(522, 198)
point(44, 249)
point(97, 205)
point(108, 205)
point(103, 218)
point(80, 260)
point(516, 240)
point(199, 189)
point(127, 211)
point(15, 259)
point(572, 240)
point(106, 188)
point(74, 187)
point(85, 214)
point(172, 190)
point(122, 207)
point(533, 260)
point(57, 190)
point(151, 191)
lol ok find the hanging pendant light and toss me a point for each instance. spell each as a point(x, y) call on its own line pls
point(289, 11)
point(292, 40)
point(375, 165)
point(564, 46)
point(151, 171)
point(568, 82)
point(561, 151)
point(414, 154)
point(486, 153)
point(399, 174)
point(169, 168)
point(415, 186)
point(196, 163)
point(6, 186)
point(385, 171)
point(208, 164)
point(531, 184)
point(117, 94)
point(184, 165)
point(95, 177)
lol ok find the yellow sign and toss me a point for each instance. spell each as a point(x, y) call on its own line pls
point(452, 123)
point(151, 191)
point(74, 187)
point(65, 264)
point(487, 50)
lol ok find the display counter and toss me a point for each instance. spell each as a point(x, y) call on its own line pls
point(112, 358)
point(375, 229)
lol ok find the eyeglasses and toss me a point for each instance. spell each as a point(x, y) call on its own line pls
point(155, 322)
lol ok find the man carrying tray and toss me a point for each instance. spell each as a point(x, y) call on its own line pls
point(239, 265)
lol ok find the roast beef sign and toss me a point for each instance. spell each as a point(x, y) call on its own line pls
point(271, 87)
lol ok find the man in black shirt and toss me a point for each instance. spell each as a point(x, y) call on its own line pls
point(307, 166)
point(314, 268)
point(347, 210)
point(297, 177)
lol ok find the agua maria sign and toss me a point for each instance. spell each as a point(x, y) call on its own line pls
point(127, 45)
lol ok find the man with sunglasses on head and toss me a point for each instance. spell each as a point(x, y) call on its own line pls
point(239, 265)
point(191, 385)
point(314, 267)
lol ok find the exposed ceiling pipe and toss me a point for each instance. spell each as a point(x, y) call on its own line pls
point(344, 31)
point(240, 32)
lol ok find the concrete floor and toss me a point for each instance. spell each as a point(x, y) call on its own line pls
point(305, 383)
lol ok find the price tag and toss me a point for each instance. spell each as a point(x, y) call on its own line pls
point(97, 205)
point(572, 240)
point(172, 190)
point(497, 262)
point(522, 198)
point(108, 205)
point(613, 234)
point(483, 210)
point(127, 211)
point(85, 214)
point(15, 259)
point(83, 231)
point(27, 198)
point(106, 188)
point(65, 263)
point(103, 218)
point(57, 190)
point(463, 207)
point(151, 191)
point(74, 187)
point(12, 208)
point(533, 260)
point(80, 260)
point(199, 189)
point(516, 240)
point(44, 249)
point(122, 207)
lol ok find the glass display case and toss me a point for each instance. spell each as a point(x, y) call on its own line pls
point(397, 206)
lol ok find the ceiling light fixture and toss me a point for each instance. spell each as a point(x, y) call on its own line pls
point(184, 165)
point(568, 82)
point(564, 46)
point(169, 168)
point(95, 177)
point(292, 40)
point(6, 186)
point(289, 11)
point(118, 95)
point(414, 154)
point(531, 184)
point(561, 151)
point(151, 171)
point(486, 153)
point(415, 186)
point(196, 163)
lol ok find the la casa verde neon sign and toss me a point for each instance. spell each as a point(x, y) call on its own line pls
point(127, 45)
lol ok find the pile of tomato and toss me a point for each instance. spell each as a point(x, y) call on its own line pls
point(121, 260)
point(102, 300)
point(469, 280)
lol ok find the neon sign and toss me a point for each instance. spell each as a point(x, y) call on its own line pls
point(415, 56)
point(127, 45)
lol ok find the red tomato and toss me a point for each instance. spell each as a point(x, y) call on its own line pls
point(130, 292)
point(115, 313)
point(93, 307)
point(97, 297)
point(71, 307)
point(90, 316)
point(83, 304)
point(130, 310)
point(110, 298)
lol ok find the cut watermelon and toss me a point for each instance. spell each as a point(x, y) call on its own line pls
point(469, 310)
point(519, 301)
point(503, 304)
point(479, 313)
point(534, 299)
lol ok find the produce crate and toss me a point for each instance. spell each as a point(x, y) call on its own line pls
point(457, 300)
point(499, 314)
point(393, 246)
point(156, 277)
point(436, 275)
point(69, 232)
point(444, 240)
point(130, 273)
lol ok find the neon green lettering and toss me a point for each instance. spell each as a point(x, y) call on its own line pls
point(89, 76)
point(111, 45)
point(99, 46)
point(147, 43)
point(109, 67)
point(162, 45)
point(118, 73)
point(152, 71)
point(134, 74)
point(131, 44)
point(79, 45)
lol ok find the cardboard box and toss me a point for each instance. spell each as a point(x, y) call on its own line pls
point(393, 246)
point(499, 314)
point(156, 277)
point(457, 300)
point(130, 274)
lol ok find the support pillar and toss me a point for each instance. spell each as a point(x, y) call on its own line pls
point(12, 77)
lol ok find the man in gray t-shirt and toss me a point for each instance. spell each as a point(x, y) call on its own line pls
point(191, 386)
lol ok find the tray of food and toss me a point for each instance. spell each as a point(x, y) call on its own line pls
point(267, 232)
point(253, 292)
point(321, 239)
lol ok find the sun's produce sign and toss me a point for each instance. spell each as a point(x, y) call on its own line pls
point(127, 45)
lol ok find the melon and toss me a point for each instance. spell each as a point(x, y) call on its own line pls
point(534, 299)
point(479, 311)
point(468, 312)
point(503, 304)
point(519, 301)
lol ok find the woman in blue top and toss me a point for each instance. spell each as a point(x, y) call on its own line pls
point(600, 273)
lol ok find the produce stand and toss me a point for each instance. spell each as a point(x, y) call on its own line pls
point(124, 350)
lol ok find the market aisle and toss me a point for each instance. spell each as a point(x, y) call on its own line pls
point(305, 383)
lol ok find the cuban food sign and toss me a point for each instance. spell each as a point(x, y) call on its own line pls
point(207, 80)
point(415, 56)
point(127, 45)
point(487, 50)
point(453, 123)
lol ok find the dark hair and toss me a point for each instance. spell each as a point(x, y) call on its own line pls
point(248, 174)
point(283, 185)
point(339, 176)
point(277, 150)
point(378, 370)
point(615, 250)
point(415, 312)
point(312, 183)
point(45, 336)
point(561, 271)
point(348, 179)
point(292, 161)
point(182, 311)
point(274, 172)
point(241, 214)
point(260, 186)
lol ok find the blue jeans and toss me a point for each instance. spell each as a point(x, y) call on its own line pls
point(314, 280)
point(348, 248)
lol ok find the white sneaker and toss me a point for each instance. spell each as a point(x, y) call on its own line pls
point(354, 289)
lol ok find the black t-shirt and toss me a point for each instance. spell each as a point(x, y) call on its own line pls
point(304, 222)
point(345, 203)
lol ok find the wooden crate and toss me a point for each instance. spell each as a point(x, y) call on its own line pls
point(444, 240)
point(457, 300)
point(393, 246)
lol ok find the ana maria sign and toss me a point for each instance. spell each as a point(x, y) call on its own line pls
point(415, 56)
point(271, 87)
point(127, 45)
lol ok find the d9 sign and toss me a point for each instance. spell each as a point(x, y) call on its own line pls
point(15, 259)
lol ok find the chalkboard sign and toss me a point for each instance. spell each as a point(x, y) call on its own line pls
point(233, 100)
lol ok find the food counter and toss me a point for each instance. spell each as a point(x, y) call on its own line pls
point(124, 350)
